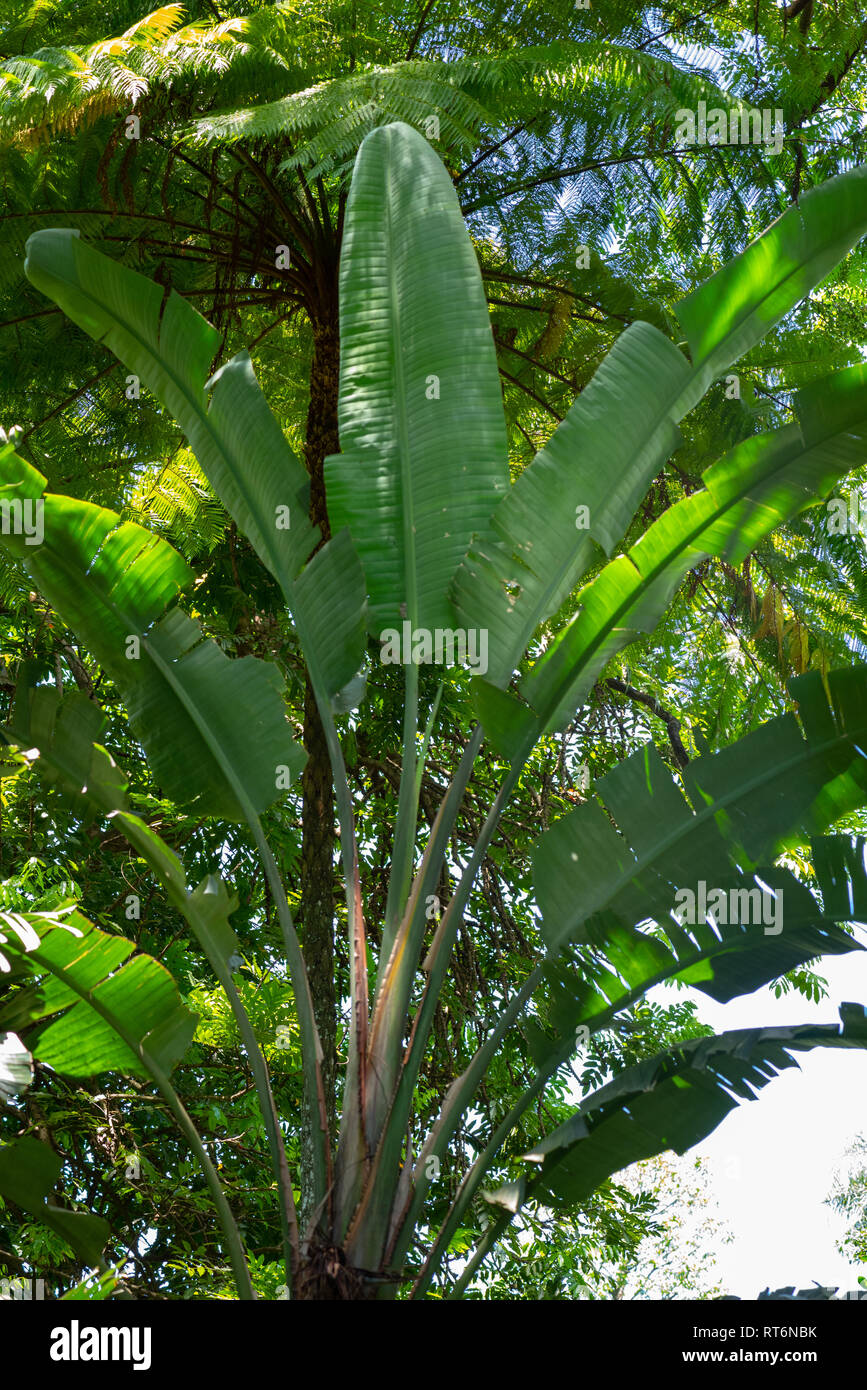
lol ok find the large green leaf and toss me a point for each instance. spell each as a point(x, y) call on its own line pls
point(624, 425)
point(63, 731)
point(671, 1101)
point(331, 623)
point(422, 433)
point(70, 730)
point(29, 1172)
point(537, 545)
point(111, 581)
point(235, 437)
point(841, 871)
point(103, 1008)
point(630, 852)
point(610, 876)
point(724, 959)
point(732, 310)
point(110, 1009)
point(106, 1010)
point(171, 348)
point(759, 484)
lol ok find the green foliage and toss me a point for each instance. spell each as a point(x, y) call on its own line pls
point(115, 580)
point(655, 698)
point(849, 1199)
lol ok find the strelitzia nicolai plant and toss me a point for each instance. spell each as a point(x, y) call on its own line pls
point(432, 548)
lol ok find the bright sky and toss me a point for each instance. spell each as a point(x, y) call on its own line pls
point(772, 1161)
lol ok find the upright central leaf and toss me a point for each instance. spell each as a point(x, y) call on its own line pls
point(425, 453)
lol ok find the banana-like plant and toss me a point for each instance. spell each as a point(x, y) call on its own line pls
point(432, 547)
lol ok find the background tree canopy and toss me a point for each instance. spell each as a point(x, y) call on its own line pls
point(211, 148)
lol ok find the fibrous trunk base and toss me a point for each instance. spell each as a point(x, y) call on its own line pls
point(325, 1275)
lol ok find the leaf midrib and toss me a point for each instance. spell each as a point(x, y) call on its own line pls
point(404, 456)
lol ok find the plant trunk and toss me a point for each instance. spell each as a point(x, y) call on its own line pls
point(325, 1277)
point(316, 909)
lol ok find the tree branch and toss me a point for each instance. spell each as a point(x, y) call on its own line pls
point(670, 721)
point(419, 29)
point(538, 399)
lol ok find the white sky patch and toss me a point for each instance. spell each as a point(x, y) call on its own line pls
point(772, 1161)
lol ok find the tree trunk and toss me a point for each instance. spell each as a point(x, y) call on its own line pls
point(316, 909)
